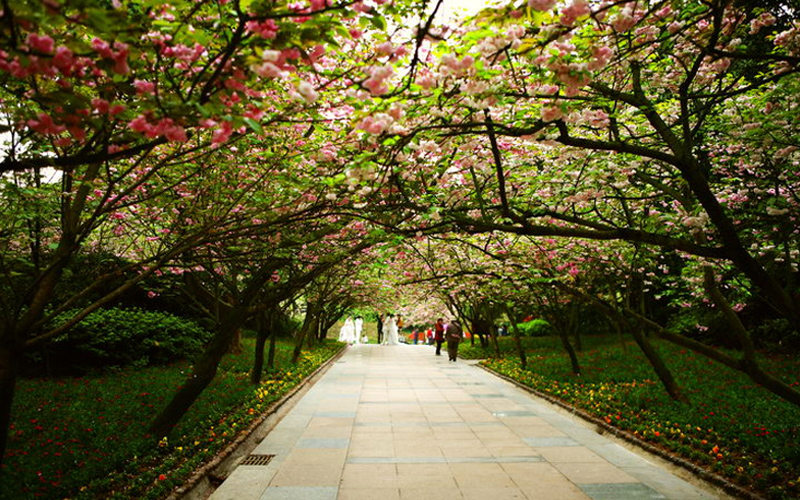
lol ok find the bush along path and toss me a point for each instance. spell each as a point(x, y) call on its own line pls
point(80, 438)
point(733, 433)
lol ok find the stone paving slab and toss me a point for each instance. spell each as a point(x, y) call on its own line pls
point(397, 423)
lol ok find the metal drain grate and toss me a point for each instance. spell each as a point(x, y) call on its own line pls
point(257, 460)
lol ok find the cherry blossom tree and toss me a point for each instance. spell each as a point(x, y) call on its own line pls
point(612, 121)
point(125, 99)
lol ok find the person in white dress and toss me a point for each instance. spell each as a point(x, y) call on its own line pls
point(348, 331)
point(390, 332)
point(358, 327)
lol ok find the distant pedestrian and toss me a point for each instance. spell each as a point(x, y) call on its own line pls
point(454, 333)
point(438, 335)
point(380, 329)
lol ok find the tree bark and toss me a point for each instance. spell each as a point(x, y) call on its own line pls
point(662, 371)
point(305, 330)
point(573, 326)
point(573, 358)
point(202, 374)
point(236, 343)
point(9, 364)
point(523, 358)
point(272, 345)
point(261, 339)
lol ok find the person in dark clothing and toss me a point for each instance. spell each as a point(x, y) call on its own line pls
point(453, 333)
point(438, 335)
point(380, 329)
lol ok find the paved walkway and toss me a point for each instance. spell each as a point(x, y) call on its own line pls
point(398, 422)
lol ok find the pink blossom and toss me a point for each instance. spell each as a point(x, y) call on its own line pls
point(396, 112)
point(222, 134)
point(100, 105)
point(307, 91)
point(548, 89)
point(355, 34)
point(361, 7)
point(764, 20)
point(372, 125)
point(317, 52)
point(43, 44)
point(570, 14)
point(623, 21)
point(541, 4)
point(552, 113)
point(386, 48)
point(139, 124)
point(663, 13)
point(275, 277)
point(63, 59)
point(77, 132)
point(144, 87)
point(376, 87)
point(116, 109)
point(45, 125)
point(720, 65)
point(102, 48)
point(121, 59)
point(269, 70)
point(267, 29)
point(598, 118)
point(172, 131)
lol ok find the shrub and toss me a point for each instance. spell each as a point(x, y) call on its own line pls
point(121, 337)
point(535, 328)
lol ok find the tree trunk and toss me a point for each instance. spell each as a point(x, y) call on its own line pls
point(523, 359)
point(618, 329)
point(236, 342)
point(202, 374)
point(273, 338)
point(574, 327)
point(573, 358)
point(9, 364)
point(261, 339)
point(661, 369)
point(305, 330)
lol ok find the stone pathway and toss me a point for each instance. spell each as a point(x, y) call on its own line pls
point(400, 423)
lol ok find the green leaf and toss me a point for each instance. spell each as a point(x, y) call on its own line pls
point(254, 125)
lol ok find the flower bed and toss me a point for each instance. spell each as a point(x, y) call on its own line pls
point(83, 438)
point(732, 428)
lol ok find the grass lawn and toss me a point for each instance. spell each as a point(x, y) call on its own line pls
point(732, 427)
point(84, 437)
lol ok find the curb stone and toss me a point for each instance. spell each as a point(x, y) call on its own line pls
point(208, 476)
point(700, 472)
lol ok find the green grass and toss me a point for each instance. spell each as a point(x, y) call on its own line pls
point(85, 437)
point(731, 427)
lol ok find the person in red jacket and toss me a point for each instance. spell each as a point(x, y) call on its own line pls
point(438, 335)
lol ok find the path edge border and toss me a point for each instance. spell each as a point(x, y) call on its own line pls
point(700, 472)
point(202, 473)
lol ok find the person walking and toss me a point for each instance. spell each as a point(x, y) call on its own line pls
point(453, 333)
point(390, 336)
point(380, 329)
point(438, 335)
